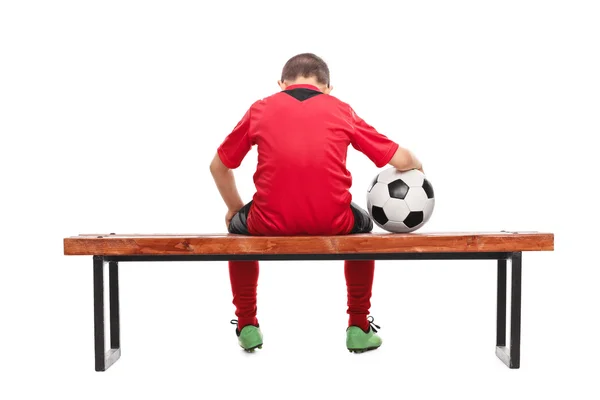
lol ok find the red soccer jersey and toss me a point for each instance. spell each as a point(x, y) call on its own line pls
point(302, 184)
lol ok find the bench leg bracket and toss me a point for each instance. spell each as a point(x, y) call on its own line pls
point(104, 359)
point(511, 355)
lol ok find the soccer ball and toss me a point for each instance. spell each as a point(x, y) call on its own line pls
point(400, 201)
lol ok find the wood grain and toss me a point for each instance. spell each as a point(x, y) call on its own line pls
point(163, 244)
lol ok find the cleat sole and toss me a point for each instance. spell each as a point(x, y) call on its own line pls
point(251, 349)
point(362, 350)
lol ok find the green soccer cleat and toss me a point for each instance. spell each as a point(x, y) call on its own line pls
point(359, 341)
point(250, 338)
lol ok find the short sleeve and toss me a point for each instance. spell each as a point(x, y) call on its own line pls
point(373, 144)
point(237, 144)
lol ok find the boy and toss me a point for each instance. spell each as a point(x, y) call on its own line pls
point(302, 184)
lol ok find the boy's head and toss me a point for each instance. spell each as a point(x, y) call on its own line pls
point(306, 68)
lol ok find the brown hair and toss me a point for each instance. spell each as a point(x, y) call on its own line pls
point(306, 65)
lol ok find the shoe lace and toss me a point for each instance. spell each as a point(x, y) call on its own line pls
point(372, 324)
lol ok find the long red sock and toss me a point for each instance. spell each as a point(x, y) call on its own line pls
point(244, 280)
point(359, 281)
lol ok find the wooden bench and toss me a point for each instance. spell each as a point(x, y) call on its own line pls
point(501, 246)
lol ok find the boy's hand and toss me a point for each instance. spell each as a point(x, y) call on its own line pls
point(229, 216)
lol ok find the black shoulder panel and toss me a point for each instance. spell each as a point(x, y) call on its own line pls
point(302, 94)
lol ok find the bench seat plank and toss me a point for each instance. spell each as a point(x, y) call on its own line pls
point(223, 244)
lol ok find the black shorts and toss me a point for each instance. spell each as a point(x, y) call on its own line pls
point(362, 220)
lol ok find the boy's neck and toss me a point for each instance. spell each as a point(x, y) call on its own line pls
point(312, 81)
point(306, 81)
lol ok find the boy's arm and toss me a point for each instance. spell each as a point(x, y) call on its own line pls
point(405, 160)
point(225, 181)
point(379, 148)
point(229, 156)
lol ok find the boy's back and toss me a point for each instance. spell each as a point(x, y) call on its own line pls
point(302, 184)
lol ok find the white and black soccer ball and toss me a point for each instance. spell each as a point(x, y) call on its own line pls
point(400, 201)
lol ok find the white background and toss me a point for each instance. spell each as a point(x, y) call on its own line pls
point(111, 111)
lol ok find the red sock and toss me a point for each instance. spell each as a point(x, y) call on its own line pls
point(359, 281)
point(244, 280)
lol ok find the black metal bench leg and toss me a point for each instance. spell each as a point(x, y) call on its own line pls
point(115, 321)
point(501, 305)
point(511, 356)
point(104, 359)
